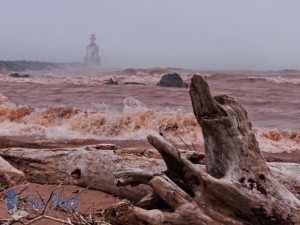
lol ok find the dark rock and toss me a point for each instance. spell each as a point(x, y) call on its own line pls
point(171, 80)
point(111, 82)
point(17, 75)
point(135, 83)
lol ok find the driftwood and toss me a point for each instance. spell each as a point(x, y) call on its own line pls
point(9, 175)
point(90, 166)
point(94, 166)
point(237, 187)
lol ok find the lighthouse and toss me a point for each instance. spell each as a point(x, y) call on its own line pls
point(92, 52)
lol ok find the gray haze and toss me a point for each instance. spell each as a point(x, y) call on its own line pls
point(212, 34)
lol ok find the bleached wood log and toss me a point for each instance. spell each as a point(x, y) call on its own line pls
point(56, 166)
point(85, 166)
point(9, 175)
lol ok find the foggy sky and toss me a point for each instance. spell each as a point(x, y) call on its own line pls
point(198, 34)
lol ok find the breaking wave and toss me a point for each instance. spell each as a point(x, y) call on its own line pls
point(277, 80)
point(277, 141)
point(134, 122)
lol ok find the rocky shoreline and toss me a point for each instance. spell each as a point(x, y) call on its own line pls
point(34, 65)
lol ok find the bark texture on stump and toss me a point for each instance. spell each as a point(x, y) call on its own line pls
point(233, 155)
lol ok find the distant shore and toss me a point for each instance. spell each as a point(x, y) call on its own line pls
point(22, 65)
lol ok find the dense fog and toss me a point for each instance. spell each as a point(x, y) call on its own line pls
point(232, 34)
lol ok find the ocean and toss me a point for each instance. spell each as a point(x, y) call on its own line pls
point(75, 104)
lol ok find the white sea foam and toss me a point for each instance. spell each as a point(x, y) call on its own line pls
point(278, 141)
point(133, 123)
point(277, 79)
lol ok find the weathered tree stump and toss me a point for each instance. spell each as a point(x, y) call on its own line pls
point(237, 187)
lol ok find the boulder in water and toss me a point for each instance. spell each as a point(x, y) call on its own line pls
point(171, 80)
point(111, 82)
point(17, 75)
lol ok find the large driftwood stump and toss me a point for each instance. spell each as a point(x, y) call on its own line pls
point(237, 187)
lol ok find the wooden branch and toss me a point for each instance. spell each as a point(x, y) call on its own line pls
point(9, 174)
point(126, 175)
point(169, 153)
point(169, 191)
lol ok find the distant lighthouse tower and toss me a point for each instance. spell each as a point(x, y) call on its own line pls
point(92, 55)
